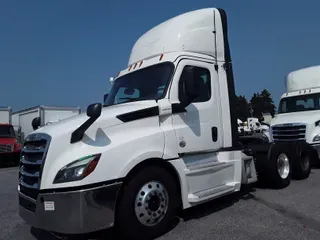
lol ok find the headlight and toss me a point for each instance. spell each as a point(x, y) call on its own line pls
point(78, 169)
point(316, 138)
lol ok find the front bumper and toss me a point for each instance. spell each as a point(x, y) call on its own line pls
point(72, 212)
point(249, 174)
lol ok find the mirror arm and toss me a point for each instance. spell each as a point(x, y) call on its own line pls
point(178, 108)
point(78, 134)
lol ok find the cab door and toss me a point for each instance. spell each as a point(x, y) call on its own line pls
point(198, 127)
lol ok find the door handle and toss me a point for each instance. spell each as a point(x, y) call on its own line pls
point(214, 132)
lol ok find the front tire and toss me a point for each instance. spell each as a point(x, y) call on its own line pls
point(148, 202)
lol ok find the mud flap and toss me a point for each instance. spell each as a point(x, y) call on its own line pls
point(249, 173)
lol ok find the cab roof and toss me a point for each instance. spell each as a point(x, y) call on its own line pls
point(305, 78)
point(195, 31)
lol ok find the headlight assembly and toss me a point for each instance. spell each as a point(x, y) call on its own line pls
point(316, 138)
point(78, 169)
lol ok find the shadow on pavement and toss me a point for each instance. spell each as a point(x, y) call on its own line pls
point(44, 235)
point(186, 215)
point(218, 204)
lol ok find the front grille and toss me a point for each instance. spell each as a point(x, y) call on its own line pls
point(32, 159)
point(289, 132)
point(4, 148)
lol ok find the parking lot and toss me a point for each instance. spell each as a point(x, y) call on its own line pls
point(291, 213)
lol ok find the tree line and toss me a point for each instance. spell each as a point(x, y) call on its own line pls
point(259, 103)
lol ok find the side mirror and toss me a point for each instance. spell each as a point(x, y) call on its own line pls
point(94, 110)
point(191, 85)
point(105, 97)
point(36, 123)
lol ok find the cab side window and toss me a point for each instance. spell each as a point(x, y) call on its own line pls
point(199, 74)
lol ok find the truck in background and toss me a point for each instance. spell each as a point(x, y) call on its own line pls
point(298, 117)
point(9, 146)
point(165, 139)
point(267, 117)
point(31, 118)
point(252, 125)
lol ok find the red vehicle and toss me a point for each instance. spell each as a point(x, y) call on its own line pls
point(9, 146)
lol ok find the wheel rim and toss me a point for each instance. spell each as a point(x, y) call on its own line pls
point(283, 166)
point(305, 161)
point(151, 203)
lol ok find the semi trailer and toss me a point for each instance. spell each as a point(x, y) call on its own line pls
point(298, 117)
point(38, 116)
point(165, 139)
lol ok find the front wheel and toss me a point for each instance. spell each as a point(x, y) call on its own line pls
point(147, 204)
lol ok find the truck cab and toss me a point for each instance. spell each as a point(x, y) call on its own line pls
point(9, 146)
point(165, 139)
point(299, 108)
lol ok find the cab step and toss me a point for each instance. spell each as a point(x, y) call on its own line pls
point(212, 192)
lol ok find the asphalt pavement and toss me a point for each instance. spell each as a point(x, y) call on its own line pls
point(291, 213)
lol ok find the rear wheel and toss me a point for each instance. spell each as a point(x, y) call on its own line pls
point(279, 168)
point(302, 162)
point(148, 202)
point(283, 165)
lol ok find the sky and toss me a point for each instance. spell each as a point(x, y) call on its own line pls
point(63, 52)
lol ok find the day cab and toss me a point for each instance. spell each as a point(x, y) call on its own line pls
point(298, 117)
point(165, 139)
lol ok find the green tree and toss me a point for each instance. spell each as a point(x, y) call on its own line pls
point(242, 108)
point(262, 103)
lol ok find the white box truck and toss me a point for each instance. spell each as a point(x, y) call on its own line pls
point(165, 139)
point(5, 115)
point(41, 115)
point(298, 117)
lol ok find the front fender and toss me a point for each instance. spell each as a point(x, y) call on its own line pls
point(152, 154)
point(122, 147)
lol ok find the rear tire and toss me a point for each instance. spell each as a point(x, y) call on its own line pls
point(148, 202)
point(302, 162)
point(279, 170)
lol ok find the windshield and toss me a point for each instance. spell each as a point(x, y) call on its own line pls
point(300, 103)
point(6, 131)
point(145, 84)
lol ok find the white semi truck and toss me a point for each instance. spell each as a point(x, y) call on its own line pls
point(165, 139)
point(298, 117)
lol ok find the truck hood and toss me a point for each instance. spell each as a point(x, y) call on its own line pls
point(7, 140)
point(107, 119)
point(306, 117)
